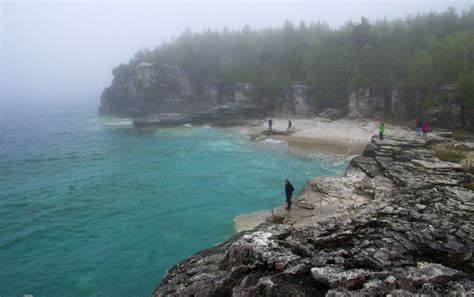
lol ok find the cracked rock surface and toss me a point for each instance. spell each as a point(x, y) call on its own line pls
point(411, 233)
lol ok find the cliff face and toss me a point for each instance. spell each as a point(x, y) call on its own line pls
point(142, 89)
point(413, 234)
point(402, 105)
point(395, 103)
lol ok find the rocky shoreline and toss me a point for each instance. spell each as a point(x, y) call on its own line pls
point(344, 137)
point(398, 222)
point(157, 95)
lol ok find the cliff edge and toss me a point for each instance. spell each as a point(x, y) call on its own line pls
point(410, 233)
point(157, 94)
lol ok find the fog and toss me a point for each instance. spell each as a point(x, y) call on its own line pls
point(63, 52)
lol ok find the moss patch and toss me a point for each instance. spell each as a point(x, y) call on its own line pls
point(469, 186)
point(459, 135)
point(451, 152)
point(275, 220)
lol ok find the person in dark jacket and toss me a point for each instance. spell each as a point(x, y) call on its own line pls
point(270, 123)
point(418, 128)
point(289, 126)
point(289, 192)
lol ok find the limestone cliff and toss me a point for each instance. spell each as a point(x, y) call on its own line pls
point(162, 93)
point(142, 89)
point(402, 105)
point(412, 234)
point(395, 103)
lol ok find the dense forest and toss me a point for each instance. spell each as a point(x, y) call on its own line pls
point(420, 53)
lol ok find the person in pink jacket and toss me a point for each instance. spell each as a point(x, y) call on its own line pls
point(425, 127)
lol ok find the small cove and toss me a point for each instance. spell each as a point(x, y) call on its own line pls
point(91, 207)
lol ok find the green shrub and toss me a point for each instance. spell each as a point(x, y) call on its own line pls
point(466, 164)
point(469, 186)
point(451, 153)
point(459, 135)
point(275, 219)
point(462, 147)
point(431, 101)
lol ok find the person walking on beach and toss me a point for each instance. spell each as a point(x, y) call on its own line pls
point(381, 130)
point(289, 192)
point(424, 128)
point(270, 122)
point(289, 126)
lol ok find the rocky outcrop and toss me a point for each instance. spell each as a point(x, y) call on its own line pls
point(151, 92)
point(395, 103)
point(411, 234)
point(366, 103)
point(146, 91)
point(295, 100)
point(401, 104)
point(228, 114)
point(450, 112)
point(143, 88)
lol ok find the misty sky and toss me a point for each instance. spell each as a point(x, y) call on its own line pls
point(63, 52)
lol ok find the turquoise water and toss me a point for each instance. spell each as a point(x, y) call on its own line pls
point(91, 207)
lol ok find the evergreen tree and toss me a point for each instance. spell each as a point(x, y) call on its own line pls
point(421, 52)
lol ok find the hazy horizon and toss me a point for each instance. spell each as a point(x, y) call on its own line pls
point(63, 53)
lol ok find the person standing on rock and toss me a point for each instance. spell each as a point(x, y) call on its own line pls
point(419, 128)
point(381, 130)
point(289, 126)
point(425, 128)
point(289, 192)
point(270, 123)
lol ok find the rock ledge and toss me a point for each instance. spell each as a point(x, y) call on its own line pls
point(412, 236)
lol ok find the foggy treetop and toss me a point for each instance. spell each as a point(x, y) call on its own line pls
point(421, 52)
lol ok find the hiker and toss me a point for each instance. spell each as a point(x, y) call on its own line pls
point(418, 128)
point(381, 130)
point(289, 192)
point(270, 122)
point(289, 126)
point(424, 128)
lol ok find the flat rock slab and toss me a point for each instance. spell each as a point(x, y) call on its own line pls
point(437, 165)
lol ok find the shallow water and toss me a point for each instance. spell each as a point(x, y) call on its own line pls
point(91, 207)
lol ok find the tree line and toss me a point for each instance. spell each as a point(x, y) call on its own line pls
point(420, 52)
